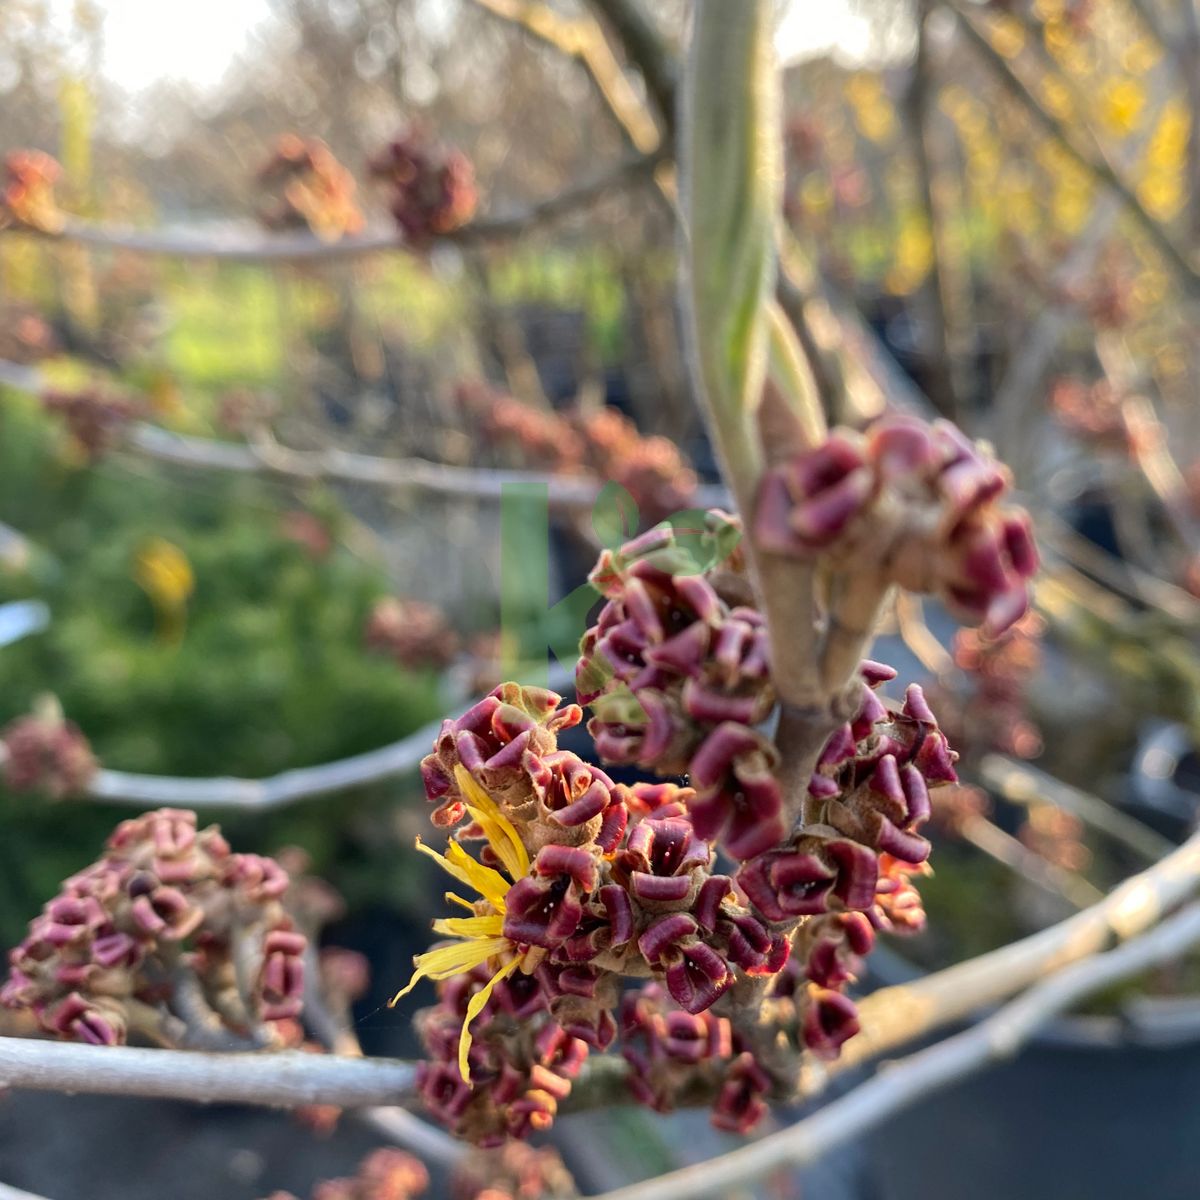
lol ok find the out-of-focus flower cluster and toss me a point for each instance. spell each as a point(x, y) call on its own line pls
point(385, 1174)
point(431, 189)
point(988, 705)
point(308, 187)
point(515, 1171)
point(25, 337)
point(242, 411)
point(1093, 412)
point(95, 418)
point(28, 196)
point(45, 753)
point(414, 633)
point(169, 936)
point(314, 534)
point(602, 441)
point(919, 503)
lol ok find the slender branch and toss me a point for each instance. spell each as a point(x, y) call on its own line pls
point(1022, 784)
point(582, 38)
point(645, 49)
point(1021, 382)
point(907, 1080)
point(286, 1079)
point(1102, 171)
point(409, 1131)
point(277, 791)
point(245, 243)
point(345, 466)
point(987, 837)
point(918, 637)
point(917, 100)
point(1083, 557)
point(342, 466)
point(1150, 444)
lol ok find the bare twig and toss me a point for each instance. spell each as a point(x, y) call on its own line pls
point(907, 1080)
point(1119, 577)
point(918, 637)
point(987, 837)
point(409, 1131)
point(345, 466)
point(582, 38)
point(246, 243)
point(1019, 387)
point(645, 49)
point(285, 1079)
point(1022, 784)
point(917, 101)
point(277, 791)
point(332, 465)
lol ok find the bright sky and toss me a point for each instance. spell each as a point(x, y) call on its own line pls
point(149, 40)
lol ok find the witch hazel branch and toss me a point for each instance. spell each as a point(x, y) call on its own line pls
point(708, 919)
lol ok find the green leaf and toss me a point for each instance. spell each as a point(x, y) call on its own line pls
point(614, 515)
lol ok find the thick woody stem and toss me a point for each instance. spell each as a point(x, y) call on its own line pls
point(906, 1081)
point(285, 1079)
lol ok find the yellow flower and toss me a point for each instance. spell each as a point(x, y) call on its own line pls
point(163, 572)
point(481, 936)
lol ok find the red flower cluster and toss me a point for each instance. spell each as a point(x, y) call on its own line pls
point(676, 673)
point(432, 190)
point(514, 1172)
point(848, 871)
point(170, 936)
point(309, 188)
point(919, 502)
point(47, 754)
point(619, 883)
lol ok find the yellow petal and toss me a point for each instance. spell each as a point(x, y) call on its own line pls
point(500, 831)
point(451, 898)
point(465, 869)
point(446, 961)
point(474, 1008)
point(470, 927)
point(488, 882)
